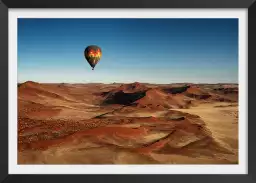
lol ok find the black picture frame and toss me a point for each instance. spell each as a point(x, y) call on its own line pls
point(5, 4)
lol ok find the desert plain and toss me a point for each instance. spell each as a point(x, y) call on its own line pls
point(134, 123)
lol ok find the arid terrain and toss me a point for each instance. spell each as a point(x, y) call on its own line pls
point(136, 123)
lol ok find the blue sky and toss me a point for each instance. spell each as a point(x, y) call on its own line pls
point(143, 50)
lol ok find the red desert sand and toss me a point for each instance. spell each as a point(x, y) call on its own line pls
point(127, 123)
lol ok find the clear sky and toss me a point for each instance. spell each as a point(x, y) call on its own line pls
point(143, 50)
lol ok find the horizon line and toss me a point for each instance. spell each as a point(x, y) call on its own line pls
point(127, 82)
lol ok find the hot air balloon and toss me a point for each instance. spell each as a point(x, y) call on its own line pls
point(93, 55)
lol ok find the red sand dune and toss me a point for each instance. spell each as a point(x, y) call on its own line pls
point(142, 96)
point(36, 90)
point(34, 110)
point(152, 147)
point(132, 87)
point(123, 132)
point(172, 97)
point(117, 117)
point(155, 98)
point(196, 91)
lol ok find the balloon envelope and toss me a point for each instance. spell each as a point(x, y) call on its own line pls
point(93, 55)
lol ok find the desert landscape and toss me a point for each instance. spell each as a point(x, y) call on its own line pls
point(127, 123)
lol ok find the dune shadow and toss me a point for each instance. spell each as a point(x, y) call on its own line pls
point(123, 98)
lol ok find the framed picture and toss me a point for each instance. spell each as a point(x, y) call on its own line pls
point(126, 87)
